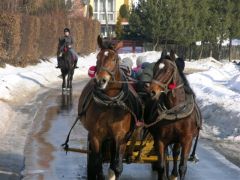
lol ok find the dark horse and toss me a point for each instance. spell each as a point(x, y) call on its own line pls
point(66, 63)
point(105, 111)
point(176, 116)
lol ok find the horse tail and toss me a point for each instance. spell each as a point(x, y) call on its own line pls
point(193, 157)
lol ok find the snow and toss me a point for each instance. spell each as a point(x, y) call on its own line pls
point(217, 90)
point(217, 87)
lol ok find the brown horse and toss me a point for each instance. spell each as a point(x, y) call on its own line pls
point(177, 116)
point(107, 115)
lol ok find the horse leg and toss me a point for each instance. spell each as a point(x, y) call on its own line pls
point(71, 78)
point(68, 81)
point(94, 166)
point(186, 147)
point(64, 81)
point(160, 149)
point(116, 164)
point(193, 157)
point(176, 152)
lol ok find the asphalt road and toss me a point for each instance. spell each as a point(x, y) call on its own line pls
point(54, 114)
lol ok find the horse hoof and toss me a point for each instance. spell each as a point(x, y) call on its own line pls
point(194, 159)
point(172, 177)
point(111, 174)
point(129, 159)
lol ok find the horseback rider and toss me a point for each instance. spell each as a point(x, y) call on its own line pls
point(68, 42)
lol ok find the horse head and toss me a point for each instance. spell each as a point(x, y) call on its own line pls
point(107, 63)
point(164, 78)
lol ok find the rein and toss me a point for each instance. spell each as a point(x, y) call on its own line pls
point(132, 81)
point(180, 111)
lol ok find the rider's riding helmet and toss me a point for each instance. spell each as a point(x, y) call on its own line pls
point(67, 30)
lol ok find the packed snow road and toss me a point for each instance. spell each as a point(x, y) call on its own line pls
point(53, 116)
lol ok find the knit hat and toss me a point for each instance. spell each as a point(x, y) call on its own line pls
point(127, 61)
point(92, 71)
point(140, 60)
point(147, 73)
point(126, 65)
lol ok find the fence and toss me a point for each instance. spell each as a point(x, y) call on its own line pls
point(197, 52)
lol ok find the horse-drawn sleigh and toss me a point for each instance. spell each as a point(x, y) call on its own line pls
point(113, 113)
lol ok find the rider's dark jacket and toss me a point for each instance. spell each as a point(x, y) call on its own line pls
point(68, 40)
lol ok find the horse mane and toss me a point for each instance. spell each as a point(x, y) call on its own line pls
point(180, 66)
point(107, 44)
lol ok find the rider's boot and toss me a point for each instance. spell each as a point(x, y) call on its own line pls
point(58, 65)
point(75, 64)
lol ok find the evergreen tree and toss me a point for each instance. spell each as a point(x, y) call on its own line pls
point(119, 28)
point(234, 24)
point(186, 21)
point(135, 23)
point(124, 11)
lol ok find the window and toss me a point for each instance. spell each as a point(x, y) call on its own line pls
point(110, 17)
point(95, 5)
point(102, 17)
point(102, 5)
point(95, 15)
point(110, 5)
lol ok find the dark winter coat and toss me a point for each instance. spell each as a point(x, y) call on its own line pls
point(68, 40)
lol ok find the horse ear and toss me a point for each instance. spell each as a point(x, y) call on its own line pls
point(118, 45)
point(172, 55)
point(100, 41)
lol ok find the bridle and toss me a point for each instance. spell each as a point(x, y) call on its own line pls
point(112, 73)
point(165, 86)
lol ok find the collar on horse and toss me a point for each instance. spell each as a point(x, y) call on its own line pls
point(101, 98)
point(126, 99)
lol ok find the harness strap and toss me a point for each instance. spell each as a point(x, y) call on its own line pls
point(65, 144)
point(112, 73)
point(172, 114)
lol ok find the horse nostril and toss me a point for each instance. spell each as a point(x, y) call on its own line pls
point(104, 81)
point(153, 93)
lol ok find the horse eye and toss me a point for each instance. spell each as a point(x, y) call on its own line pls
point(147, 84)
point(161, 66)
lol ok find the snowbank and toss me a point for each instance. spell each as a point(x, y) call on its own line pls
point(7, 114)
point(217, 91)
point(16, 83)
